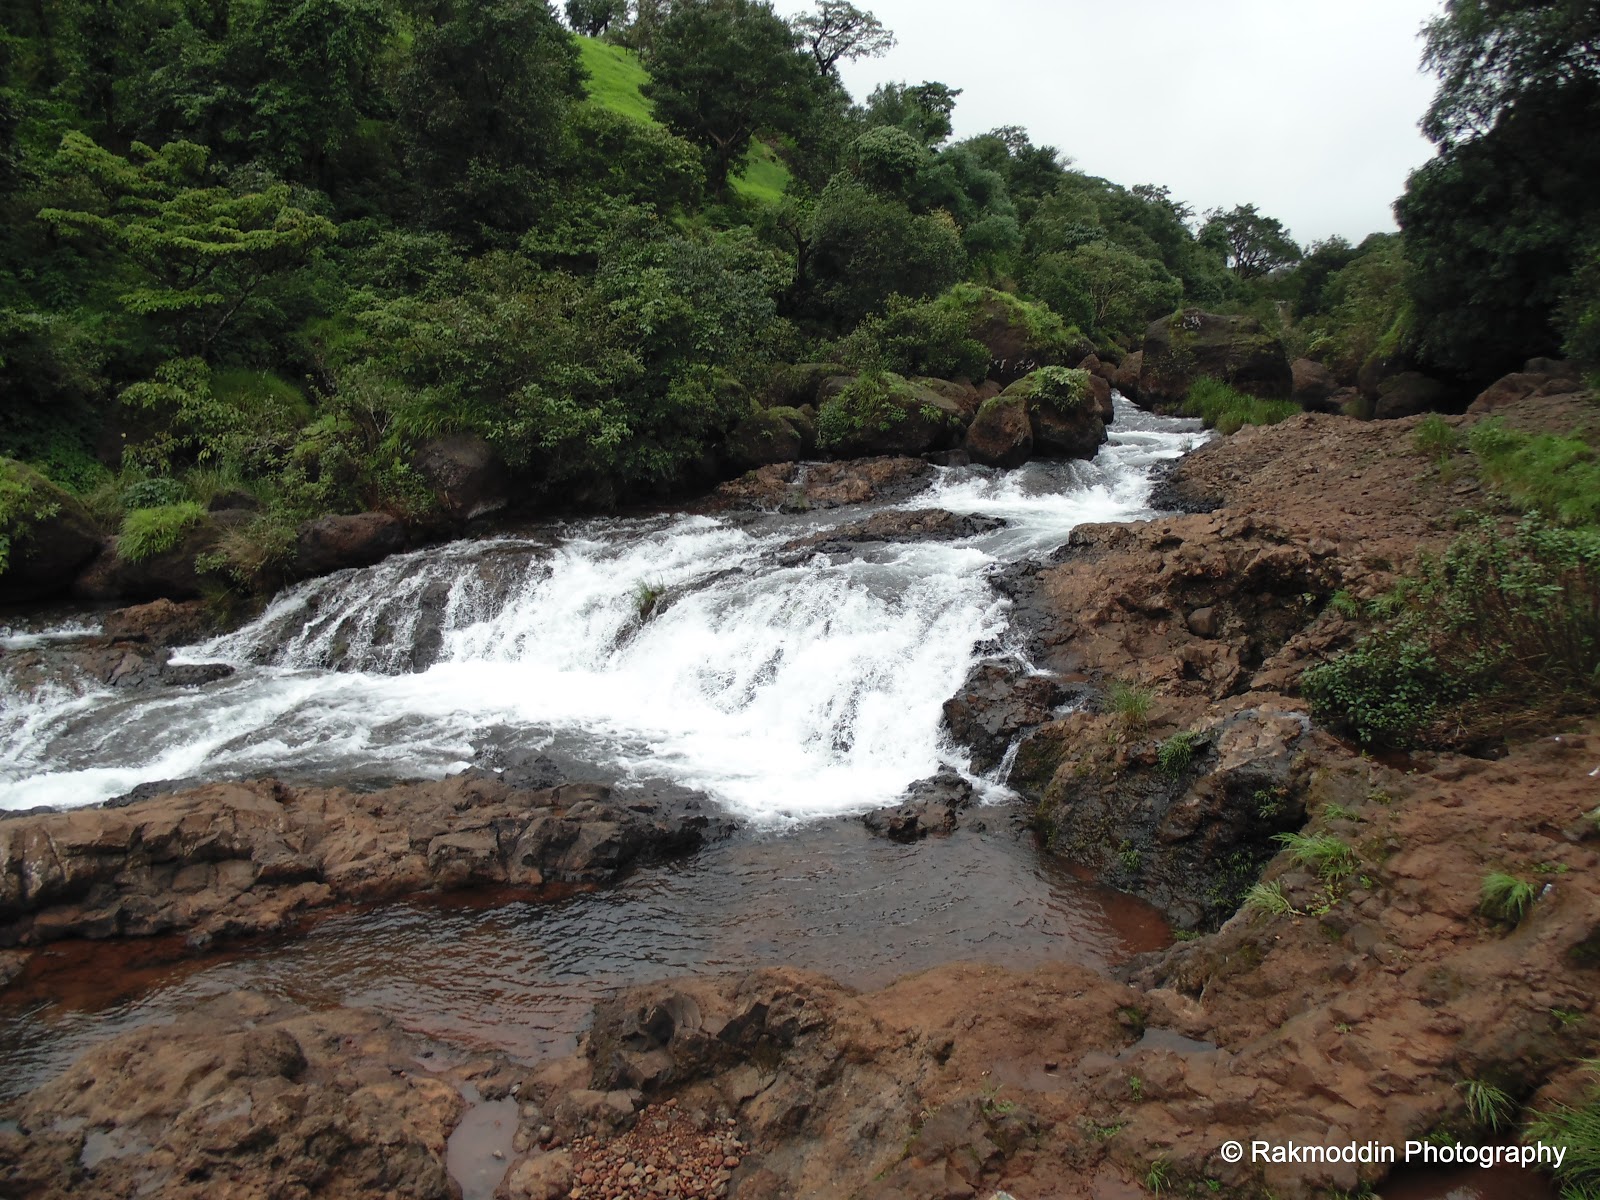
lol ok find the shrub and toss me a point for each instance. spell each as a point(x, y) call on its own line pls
point(1435, 438)
point(1226, 410)
point(1501, 632)
point(147, 532)
point(868, 404)
point(917, 339)
point(24, 499)
point(1062, 387)
point(1506, 898)
point(1487, 1105)
point(1268, 898)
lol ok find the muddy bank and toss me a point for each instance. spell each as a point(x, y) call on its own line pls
point(248, 858)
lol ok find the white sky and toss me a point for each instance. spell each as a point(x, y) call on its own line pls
point(1307, 109)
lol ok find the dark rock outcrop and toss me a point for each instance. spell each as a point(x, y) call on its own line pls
point(467, 477)
point(1410, 393)
point(334, 543)
point(171, 574)
point(996, 704)
point(1194, 344)
point(912, 525)
point(240, 858)
point(1063, 412)
point(798, 487)
point(1126, 376)
point(932, 805)
point(1539, 377)
point(1314, 385)
point(767, 436)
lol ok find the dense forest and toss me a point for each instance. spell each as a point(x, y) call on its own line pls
point(269, 249)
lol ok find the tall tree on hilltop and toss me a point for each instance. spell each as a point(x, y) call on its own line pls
point(723, 71)
point(593, 17)
point(840, 31)
point(1254, 244)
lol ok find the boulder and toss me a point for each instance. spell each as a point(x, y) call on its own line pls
point(963, 394)
point(1062, 411)
point(769, 435)
point(1313, 385)
point(48, 549)
point(1125, 378)
point(1237, 350)
point(1379, 367)
point(1540, 377)
point(885, 414)
point(1409, 393)
point(1100, 391)
point(171, 574)
point(996, 704)
point(798, 385)
point(896, 525)
point(931, 805)
point(787, 487)
point(334, 543)
point(159, 623)
point(1001, 435)
point(1019, 336)
point(467, 477)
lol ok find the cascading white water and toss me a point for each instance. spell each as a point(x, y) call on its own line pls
point(783, 689)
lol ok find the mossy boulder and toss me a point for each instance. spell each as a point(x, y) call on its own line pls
point(767, 436)
point(798, 384)
point(1020, 335)
point(154, 557)
point(883, 413)
point(46, 536)
point(963, 395)
point(1001, 435)
point(1062, 411)
point(1193, 344)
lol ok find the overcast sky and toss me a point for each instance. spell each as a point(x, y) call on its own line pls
point(1307, 110)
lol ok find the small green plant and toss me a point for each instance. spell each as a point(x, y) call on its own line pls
point(1186, 935)
point(1330, 857)
point(1577, 1132)
point(1130, 858)
point(1487, 1105)
point(869, 406)
point(1338, 812)
point(147, 532)
point(1435, 438)
point(1131, 704)
point(1268, 898)
point(1136, 1087)
point(647, 597)
point(1558, 476)
point(1346, 605)
point(1158, 1178)
point(1566, 1017)
point(1268, 802)
point(1506, 898)
point(1104, 1133)
point(1176, 754)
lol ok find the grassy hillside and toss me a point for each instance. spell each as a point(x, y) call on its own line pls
point(615, 77)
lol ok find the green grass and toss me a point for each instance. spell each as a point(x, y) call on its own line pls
point(1557, 476)
point(25, 497)
point(1177, 752)
point(1131, 704)
point(1506, 898)
point(1487, 1105)
point(1577, 1130)
point(616, 77)
point(1222, 408)
point(1323, 853)
point(147, 532)
point(1435, 438)
point(1268, 898)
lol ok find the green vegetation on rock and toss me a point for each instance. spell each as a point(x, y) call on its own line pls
point(1227, 411)
point(147, 532)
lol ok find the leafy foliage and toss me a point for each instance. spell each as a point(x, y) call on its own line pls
point(24, 501)
point(1227, 411)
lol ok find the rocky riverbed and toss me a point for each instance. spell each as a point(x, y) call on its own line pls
point(1356, 1012)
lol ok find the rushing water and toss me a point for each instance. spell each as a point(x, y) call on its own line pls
point(785, 688)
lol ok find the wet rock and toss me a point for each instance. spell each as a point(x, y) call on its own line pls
point(914, 525)
point(467, 477)
point(193, 674)
point(1410, 393)
point(243, 1094)
point(799, 487)
point(1001, 435)
point(230, 859)
point(1065, 418)
point(1194, 344)
point(516, 767)
point(159, 623)
point(171, 574)
point(47, 552)
point(931, 805)
point(998, 702)
point(1313, 385)
point(1125, 378)
point(767, 436)
point(335, 543)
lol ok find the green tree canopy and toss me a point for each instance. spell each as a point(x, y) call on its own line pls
point(840, 31)
point(1253, 243)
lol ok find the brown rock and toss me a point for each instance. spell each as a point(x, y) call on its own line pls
point(1195, 344)
point(47, 552)
point(1410, 393)
point(1001, 435)
point(467, 476)
point(1313, 385)
point(334, 543)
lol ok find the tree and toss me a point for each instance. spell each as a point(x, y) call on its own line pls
point(839, 30)
point(1495, 224)
point(723, 71)
point(923, 111)
point(593, 17)
point(1108, 292)
point(199, 252)
point(484, 106)
point(1254, 244)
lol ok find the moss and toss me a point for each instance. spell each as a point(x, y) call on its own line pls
point(26, 497)
point(147, 532)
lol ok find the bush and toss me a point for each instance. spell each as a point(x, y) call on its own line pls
point(1500, 633)
point(1060, 387)
point(147, 532)
point(1225, 410)
point(1435, 438)
point(917, 339)
point(24, 499)
point(1177, 752)
point(1506, 898)
point(871, 403)
point(1577, 1131)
